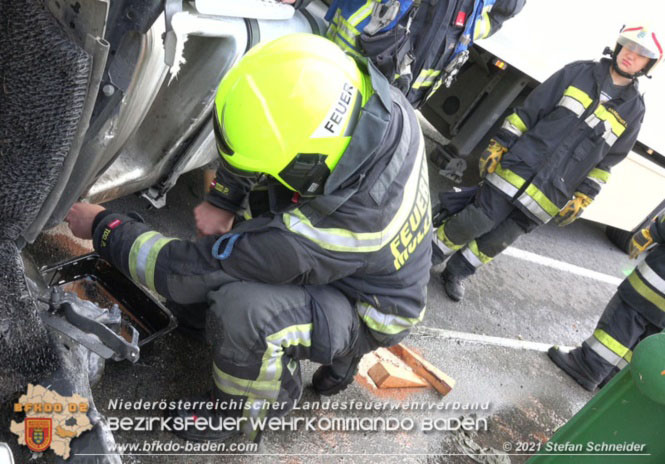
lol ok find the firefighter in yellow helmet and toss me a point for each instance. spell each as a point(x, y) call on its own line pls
point(551, 156)
point(335, 267)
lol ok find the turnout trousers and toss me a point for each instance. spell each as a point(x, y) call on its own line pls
point(620, 328)
point(481, 231)
point(260, 332)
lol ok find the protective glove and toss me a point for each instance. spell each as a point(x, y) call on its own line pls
point(573, 209)
point(640, 242)
point(490, 158)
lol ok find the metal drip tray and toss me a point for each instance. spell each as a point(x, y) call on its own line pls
point(91, 278)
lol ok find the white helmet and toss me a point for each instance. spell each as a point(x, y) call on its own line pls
point(642, 41)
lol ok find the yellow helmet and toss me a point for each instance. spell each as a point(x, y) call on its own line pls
point(288, 109)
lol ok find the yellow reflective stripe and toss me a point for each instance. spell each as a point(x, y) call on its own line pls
point(271, 367)
point(232, 385)
point(538, 204)
point(446, 245)
point(426, 78)
point(151, 262)
point(437, 84)
point(600, 175)
point(544, 202)
point(611, 343)
point(332, 28)
point(256, 393)
point(138, 249)
point(651, 277)
point(483, 25)
point(389, 324)
point(347, 31)
point(474, 256)
point(473, 246)
point(333, 238)
point(362, 13)
point(604, 115)
point(517, 123)
point(267, 385)
point(350, 50)
point(649, 294)
point(579, 95)
point(609, 349)
point(338, 239)
point(513, 179)
point(572, 104)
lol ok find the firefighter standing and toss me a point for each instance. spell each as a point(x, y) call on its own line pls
point(636, 311)
point(417, 44)
point(551, 156)
point(337, 267)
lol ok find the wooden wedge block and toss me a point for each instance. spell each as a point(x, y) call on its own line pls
point(440, 381)
point(387, 375)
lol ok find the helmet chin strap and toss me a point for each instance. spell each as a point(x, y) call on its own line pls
point(615, 66)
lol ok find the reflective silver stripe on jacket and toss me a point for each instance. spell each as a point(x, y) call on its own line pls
point(592, 121)
point(610, 137)
point(533, 206)
point(347, 240)
point(142, 257)
point(652, 277)
point(502, 184)
point(572, 104)
point(510, 127)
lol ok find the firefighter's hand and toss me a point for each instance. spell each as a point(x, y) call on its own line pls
point(81, 217)
point(640, 242)
point(211, 220)
point(573, 209)
point(490, 158)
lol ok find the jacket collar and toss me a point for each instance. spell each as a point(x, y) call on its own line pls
point(368, 133)
point(602, 71)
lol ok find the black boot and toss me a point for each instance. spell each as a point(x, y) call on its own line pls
point(571, 366)
point(332, 379)
point(453, 285)
point(438, 256)
point(207, 413)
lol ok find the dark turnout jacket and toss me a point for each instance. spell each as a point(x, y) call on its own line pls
point(563, 140)
point(413, 49)
point(368, 235)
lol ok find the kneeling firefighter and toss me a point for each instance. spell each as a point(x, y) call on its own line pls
point(339, 264)
point(552, 155)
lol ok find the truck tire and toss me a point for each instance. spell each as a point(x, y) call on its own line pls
point(621, 238)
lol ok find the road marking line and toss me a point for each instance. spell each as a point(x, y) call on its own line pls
point(561, 265)
point(487, 339)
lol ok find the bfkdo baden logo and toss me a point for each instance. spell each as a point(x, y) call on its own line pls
point(51, 421)
point(38, 433)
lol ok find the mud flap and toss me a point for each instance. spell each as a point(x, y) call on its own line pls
point(45, 79)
